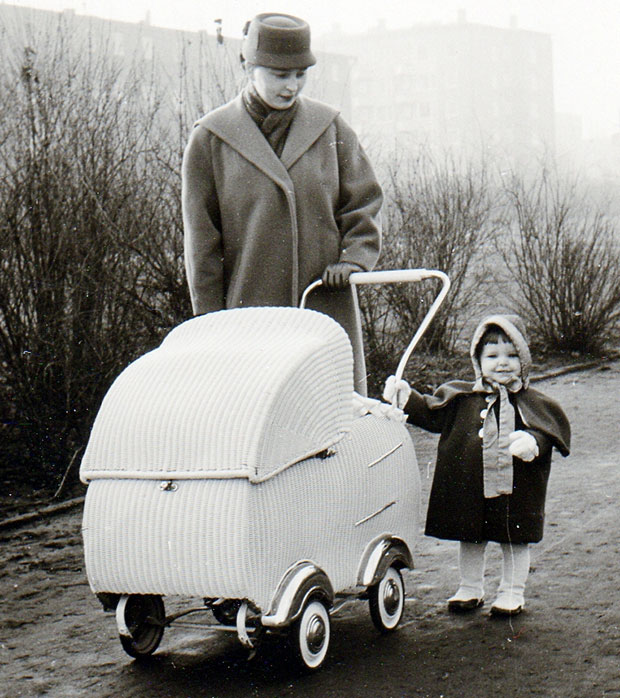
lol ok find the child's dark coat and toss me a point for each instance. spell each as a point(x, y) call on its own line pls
point(457, 508)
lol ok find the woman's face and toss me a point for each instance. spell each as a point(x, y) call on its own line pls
point(278, 88)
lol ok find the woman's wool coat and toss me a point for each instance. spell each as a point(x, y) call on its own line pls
point(259, 229)
point(457, 508)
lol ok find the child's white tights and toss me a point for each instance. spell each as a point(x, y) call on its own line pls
point(515, 570)
point(471, 566)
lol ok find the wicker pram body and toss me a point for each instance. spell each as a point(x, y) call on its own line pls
point(231, 453)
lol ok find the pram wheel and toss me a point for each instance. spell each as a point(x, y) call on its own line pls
point(311, 635)
point(387, 601)
point(144, 617)
point(226, 612)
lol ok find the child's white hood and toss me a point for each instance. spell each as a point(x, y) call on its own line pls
point(514, 328)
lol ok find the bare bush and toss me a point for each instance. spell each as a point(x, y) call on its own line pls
point(89, 235)
point(208, 75)
point(439, 215)
point(564, 257)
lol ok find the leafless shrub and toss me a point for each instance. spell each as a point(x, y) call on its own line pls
point(439, 215)
point(90, 236)
point(564, 257)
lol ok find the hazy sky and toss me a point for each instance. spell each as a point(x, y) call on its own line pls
point(585, 33)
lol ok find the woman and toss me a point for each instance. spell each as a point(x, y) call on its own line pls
point(278, 192)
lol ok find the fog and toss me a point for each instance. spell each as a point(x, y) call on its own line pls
point(584, 33)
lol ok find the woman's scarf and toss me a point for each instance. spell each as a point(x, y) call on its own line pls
point(496, 457)
point(273, 123)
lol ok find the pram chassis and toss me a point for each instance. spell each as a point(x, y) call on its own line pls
point(304, 599)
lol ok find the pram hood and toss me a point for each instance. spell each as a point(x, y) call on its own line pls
point(235, 393)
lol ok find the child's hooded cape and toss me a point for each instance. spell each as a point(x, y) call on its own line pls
point(471, 498)
point(537, 411)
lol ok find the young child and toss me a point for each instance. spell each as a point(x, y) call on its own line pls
point(493, 460)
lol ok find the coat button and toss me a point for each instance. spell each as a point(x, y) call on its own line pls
point(481, 433)
point(483, 414)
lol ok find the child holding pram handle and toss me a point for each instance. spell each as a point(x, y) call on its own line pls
point(493, 460)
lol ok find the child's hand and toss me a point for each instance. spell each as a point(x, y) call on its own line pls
point(523, 445)
point(396, 392)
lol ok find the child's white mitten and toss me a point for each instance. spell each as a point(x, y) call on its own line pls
point(523, 445)
point(389, 411)
point(396, 392)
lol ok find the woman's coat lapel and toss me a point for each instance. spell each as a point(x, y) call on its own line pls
point(233, 124)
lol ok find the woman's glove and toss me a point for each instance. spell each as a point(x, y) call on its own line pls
point(396, 392)
point(523, 445)
point(336, 276)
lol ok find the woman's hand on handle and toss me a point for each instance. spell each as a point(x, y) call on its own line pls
point(336, 276)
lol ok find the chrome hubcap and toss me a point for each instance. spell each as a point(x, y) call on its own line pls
point(315, 635)
point(391, 597)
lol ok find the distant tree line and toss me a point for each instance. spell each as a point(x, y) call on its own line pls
point(91, 243)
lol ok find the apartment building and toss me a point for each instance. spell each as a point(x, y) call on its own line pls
point(461, 85)
point(203, 62)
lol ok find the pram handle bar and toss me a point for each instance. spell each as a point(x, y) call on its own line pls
point(393, 276)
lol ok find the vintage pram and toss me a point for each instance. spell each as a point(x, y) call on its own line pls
point(229, 464)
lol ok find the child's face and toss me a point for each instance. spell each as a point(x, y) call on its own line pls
point(499, 362)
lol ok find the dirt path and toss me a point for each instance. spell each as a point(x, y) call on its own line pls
point(55, 641)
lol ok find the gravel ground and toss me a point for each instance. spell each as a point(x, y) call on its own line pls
point(55, 641)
